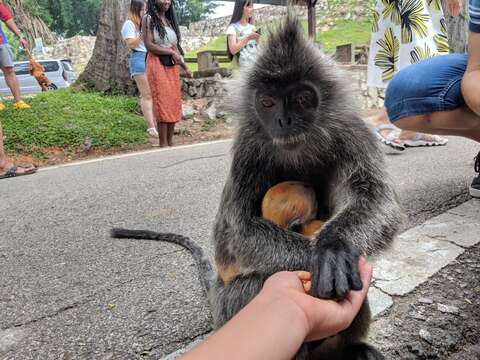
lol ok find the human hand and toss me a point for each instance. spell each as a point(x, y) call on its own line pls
point(253, 36)
point(24, 43)
point(322, 318)
point(177, 57)
point(188, 73)
point(454, 7)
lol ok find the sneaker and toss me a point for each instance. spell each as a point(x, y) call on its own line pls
point(475, 187)
point(2, 106)
point(21, 105)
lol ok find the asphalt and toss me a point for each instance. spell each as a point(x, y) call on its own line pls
point(69, 291)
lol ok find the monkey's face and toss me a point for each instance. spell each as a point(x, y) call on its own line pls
point(286, 114)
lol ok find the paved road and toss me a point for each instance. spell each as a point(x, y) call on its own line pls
point(68, 291)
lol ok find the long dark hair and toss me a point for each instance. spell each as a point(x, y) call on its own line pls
point(156, 24)
point(236, 17)
point(134, 12)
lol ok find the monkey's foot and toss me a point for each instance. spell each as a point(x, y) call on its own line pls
point(361, 351)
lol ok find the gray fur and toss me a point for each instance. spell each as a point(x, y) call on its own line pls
point(337, 154)
point(331, 149)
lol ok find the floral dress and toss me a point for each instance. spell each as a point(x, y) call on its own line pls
point(403, 33)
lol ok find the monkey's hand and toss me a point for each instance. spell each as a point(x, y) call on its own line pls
point(334, 268)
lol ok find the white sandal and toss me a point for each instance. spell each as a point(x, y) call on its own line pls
point(152, 132)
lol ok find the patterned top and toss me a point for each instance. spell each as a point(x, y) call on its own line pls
point(4, 16)
point(404, 32)
point(248, 53)
point(474, 12)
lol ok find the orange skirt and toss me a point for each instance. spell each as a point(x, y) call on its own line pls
point(164, 82)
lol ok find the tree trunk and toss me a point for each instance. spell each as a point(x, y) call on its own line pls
point(457, 28)
point(107, 69)
point(31, 25)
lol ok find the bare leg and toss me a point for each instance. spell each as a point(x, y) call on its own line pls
point(12, 82)
point(6, 163)
point(171, 130)
point(458, 122)
point(162, 133)
point(471, 79)
point(145, 100)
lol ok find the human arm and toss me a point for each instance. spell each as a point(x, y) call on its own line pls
point(179, 59)
point(7, 18)
point(279, 319)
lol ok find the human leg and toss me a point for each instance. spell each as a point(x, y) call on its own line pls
point(427, 96)
point(162, 133)
point(7, 168)
point(170, 132)
point(145, 100)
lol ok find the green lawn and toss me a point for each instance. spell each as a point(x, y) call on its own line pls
point(65, 118)
point(343, 32)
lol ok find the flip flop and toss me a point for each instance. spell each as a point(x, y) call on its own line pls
point(389, 140)
point(12, 172)
point(418, 140)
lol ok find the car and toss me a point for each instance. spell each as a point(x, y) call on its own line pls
point(60, 72)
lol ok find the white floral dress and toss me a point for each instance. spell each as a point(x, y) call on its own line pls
point(404, 32)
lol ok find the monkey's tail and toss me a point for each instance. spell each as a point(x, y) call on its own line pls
point(205, 269)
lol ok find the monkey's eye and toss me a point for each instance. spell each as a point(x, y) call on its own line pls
point(267, 102)
point(305, 99)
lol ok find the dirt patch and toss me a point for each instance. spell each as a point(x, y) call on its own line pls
point(440, 319)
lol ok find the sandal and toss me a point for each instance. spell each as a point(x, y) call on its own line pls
point(391, 139)
point(152, 132)
point(12, 172)
point(420, 140)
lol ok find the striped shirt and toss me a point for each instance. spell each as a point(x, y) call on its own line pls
point(474, 12)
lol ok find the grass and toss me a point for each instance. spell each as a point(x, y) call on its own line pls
point(343, 32)
point(65, 119)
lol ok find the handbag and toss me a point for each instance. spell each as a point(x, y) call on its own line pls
point(167, 60)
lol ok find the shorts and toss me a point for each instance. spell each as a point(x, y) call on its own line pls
point(6, 55)
point(137, 61)
point(425, 87)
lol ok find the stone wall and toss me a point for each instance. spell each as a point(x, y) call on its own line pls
point(79, 49)
point(200, 33)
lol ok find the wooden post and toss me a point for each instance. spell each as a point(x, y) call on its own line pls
point(312, 22)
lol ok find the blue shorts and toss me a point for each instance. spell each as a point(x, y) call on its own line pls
point(425, 87)
point(137, 63)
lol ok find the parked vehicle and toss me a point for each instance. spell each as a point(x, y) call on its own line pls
point(60, 72)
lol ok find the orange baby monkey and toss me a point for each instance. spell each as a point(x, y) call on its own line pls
point(292, 205)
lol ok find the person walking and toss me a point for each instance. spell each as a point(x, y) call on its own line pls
point(6, 58)
point(164, 58)
point(404, 33)
point(133, 37)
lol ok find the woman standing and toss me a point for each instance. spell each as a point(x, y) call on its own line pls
point(162, 40)
point(405, 32)
point(242, 38)
point(133, 37)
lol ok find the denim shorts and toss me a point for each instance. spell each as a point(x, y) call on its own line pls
point(137, 63)
point(425, 87)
